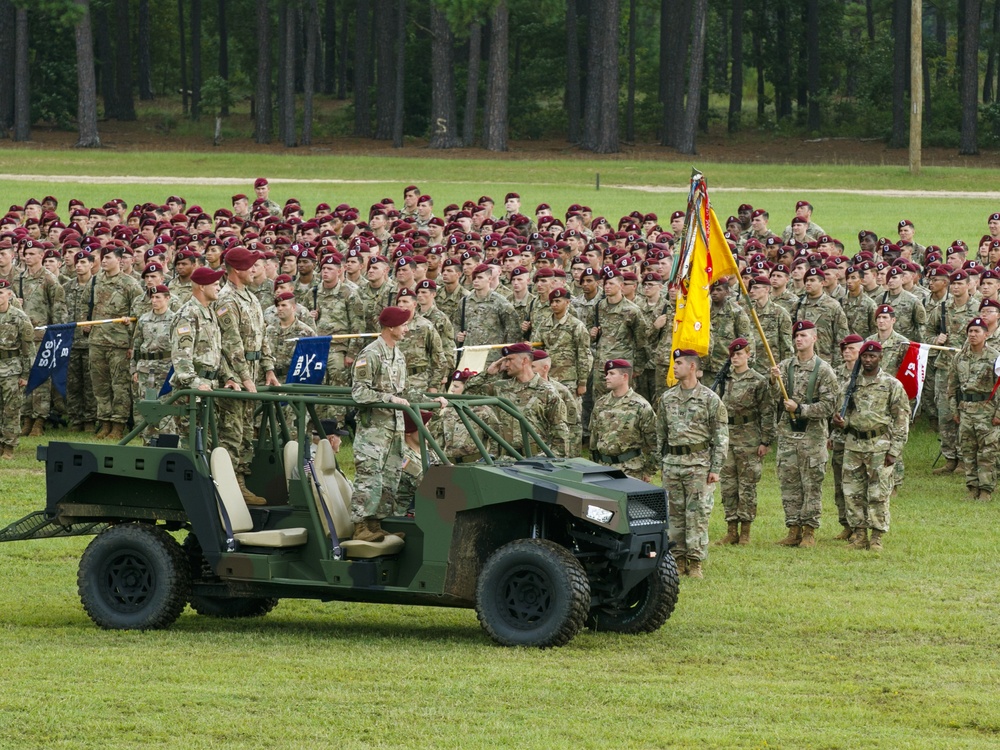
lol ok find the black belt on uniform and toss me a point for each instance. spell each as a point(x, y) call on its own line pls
point(208, 374)
point(416, 369)
point(153, 356)
point(861, 435)
point(10, 353)
point(251, 356)
point(685, 450)
point(745, 419)
point(606, 459)
point(972, 398)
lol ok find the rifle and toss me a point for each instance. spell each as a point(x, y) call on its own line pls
point(943, 323)
point(852, 386)
point(719, 385)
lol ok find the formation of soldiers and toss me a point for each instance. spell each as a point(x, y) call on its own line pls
point(220, 297)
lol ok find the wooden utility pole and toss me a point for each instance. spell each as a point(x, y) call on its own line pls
point(916, 83)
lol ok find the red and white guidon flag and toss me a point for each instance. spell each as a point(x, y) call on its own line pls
point(912, 371)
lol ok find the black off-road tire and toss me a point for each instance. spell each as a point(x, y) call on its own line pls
point(646, 607)
point(134, 576)
point(218, 606)
point(532, 592)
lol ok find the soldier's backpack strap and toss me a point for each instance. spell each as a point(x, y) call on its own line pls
point(90, 303)
point(798, 306)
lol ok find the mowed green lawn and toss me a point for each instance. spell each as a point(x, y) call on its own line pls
point(775, 648)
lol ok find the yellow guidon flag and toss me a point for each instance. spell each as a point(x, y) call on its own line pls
point(705, 257)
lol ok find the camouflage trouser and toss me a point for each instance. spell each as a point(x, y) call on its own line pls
point(409, 480)
point(738, 482)
point(837, 460)
point(659, 384)
point(978, 447)
point(645, 383)
point(38, 403)
point(152, 380)
point(112, 383)
point(11, 395)
point(337, 374)
point(80, 403)
point(947, 429)
point(867, 488)
point(801, 468)
point(235, 427)
point(587, 406)
point(928, 398)
point(688, 509)
point(378, 459)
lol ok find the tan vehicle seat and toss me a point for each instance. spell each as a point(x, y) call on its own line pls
point(224, 477)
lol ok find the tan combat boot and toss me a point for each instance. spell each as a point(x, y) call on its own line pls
point(845, 534)
point(745, 533)
point(949, 467)
point(985, 496)
point(26, 425)
point(364, 533)
point(732, 534)
point(971, 493)
point(682, 566)
point(375, 525)
point(37, 428)
point(117, 431)
point(8, 453)
point(793, 538)
point(249, 497)
point(875, 545)
point(104, 431)
point(860, 539)
point(808, 537)
point(694, 569)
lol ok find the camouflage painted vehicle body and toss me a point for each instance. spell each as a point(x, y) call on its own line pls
point(539, 546)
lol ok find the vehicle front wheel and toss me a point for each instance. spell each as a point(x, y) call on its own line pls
point(646, 607)
point(532, 592)
point(133, 577)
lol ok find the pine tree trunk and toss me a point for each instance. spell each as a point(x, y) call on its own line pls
point(123, 62)
point(223, 24)
point(106, 63)
point(497, 81)
point(86, 83)
point(759, 27)
point(22, 76)
point(282, 37)
point(472, 84)
point(686, 141)
point(572, 72)
point(330, 52)
point(262, 95)
point(400, 98)
point(145, 41)
point(184, 79)
point(195, 59)
point(678, 44)
point(385, 68)
point(312, 50)
point(900, 72)
point(991, 61)
point(812, 45)
point(444, 118)
point(362, 82)
point(630, 96)
point(596, 26)
point(344, 52)
point(736, 74)
point(968, 143)
point(7, 23)
point(288, 82)
point(608, 82)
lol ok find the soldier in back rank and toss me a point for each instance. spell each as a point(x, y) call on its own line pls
point(17, 350)
point(826, 315)
point(626, 435)
point(150, 354)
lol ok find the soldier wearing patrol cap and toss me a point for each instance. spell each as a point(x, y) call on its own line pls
point(876, 426)
point(692, 437)
point(749, 404)
point(623, 425)
point(17, 350)
point(812, 390)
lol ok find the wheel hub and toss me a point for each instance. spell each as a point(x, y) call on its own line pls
point(129, 581)
point(525, 597)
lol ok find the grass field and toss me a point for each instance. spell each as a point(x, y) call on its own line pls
point(776, 648)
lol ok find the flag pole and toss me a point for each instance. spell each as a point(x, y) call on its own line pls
point(760, 330)
point(338, 336)
point(85, 323)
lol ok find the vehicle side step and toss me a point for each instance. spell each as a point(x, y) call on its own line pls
point(40, 525)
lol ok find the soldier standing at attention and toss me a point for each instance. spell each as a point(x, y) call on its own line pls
point(337, 310)
point(625, 437)
point(17, 350)
point(850, 348)
point(282, 331)
point(970, 383)
point(775, 322)
point(262, 190)
point(150, 353)
point(750, 407)
point(427, 365)
point(484, 317)
point(541, 364)
point(618, 332)
point(802, 454)
point(692, 436)
point(877, 424)
point(80, 405)
point(729, 321)
point(825, 315)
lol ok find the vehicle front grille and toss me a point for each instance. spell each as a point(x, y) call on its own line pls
point(647, 508)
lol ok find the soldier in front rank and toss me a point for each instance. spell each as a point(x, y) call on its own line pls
point(81, 408)
point(946, 326)
point(566, 340)
point(536, 399)
point(451, 433)
point(876, 424)
point(850, 348)
point(826, 315)
point(247, 352)
point(281, 334)
point(17, 350)
point(149, 360)
point(728, 321)
point(152, 276)
point(812, 390)
point(910, 313)
point(338, 310)
point(971, 379)
point(426, 308)
point(542, 365)
point(619, 333)
point(484, 316)
point(427, 366)
point(774, 320)
point(114, 295)
point(692, 436)
point(44, 300)
point(749, 404)
point(858, 306)
point(624, 435)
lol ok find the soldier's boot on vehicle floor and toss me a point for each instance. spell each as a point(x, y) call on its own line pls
point(8, 453)
point(104, 431)
point(949, 467)
point(694, 569)
point(117, 431)
point(682, 566)
point(250, 498)
point(808, 537)
point(860, 539)
point(375, 525)
point(845, 534)
point(26, 425)
point(732, 534)
point(875, 545)
point(37, 428)
point(364, 533)
point(793, 538)
point(745, 532)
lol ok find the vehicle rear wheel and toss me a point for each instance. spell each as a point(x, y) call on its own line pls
point(220, 606)
point(646, 607)
point(133, 577)
point(532, 592)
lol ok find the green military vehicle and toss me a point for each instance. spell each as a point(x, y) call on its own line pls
point(539, 546)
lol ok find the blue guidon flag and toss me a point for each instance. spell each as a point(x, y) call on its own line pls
point(52, 359)
point(308, 365)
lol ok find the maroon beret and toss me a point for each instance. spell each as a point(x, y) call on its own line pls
point(852, 338)
point(803, 325)
point(427, 284)
point(738, 345)
point(158, 289)
point(885, 310)
point(871, 346)
point(462, 375)
point(678, 353)
point(560, 293)
point(989, 303)
point(404, 292)
point(260, 182)
point(283, 297)
point(240, 258)
point(203, 275)
point(615, 364)
point(539, 354)
point(520, 348)
point(393, 316)
point(979, 323)
point(959, 276)
point(481, 268)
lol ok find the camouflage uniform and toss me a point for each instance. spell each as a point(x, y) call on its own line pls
point(860, 312)
point(448, 302)
point(910, 315)
point(302, 314)
point(109, 345)
point(837, 440)
point(339, 310)
point(281, 348)
point(443, 325)
point(878, 422)
point(17, 351)
point(787, 300)
point(749, 401)
point(894, 350)
point(661, 341)
point(427, 366)
point(728, 321)
point(264, 292)
point(970, 382)
point(626, 435)
point(692, 436)
point(567, 342)
point(248, 353)
point(813, 231)
point(537, 400)
point(375, 301)
point(144, 304)
point(44, 300)
point(151, 361)
point(181, 290)
point(802, 453)
point(956, 318)
point(622, 336)
point(831, 324)
point(80, 404)
point(585, 309)
point(777, 325)
point(488, 321)
point(448, 429)
point(573, 418)
point(411, 472)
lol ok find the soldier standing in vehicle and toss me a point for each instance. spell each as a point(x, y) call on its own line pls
point(692, 436)
point(17, 350)
point(623, 425)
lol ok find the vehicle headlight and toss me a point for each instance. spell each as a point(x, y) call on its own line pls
point(601, 515)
